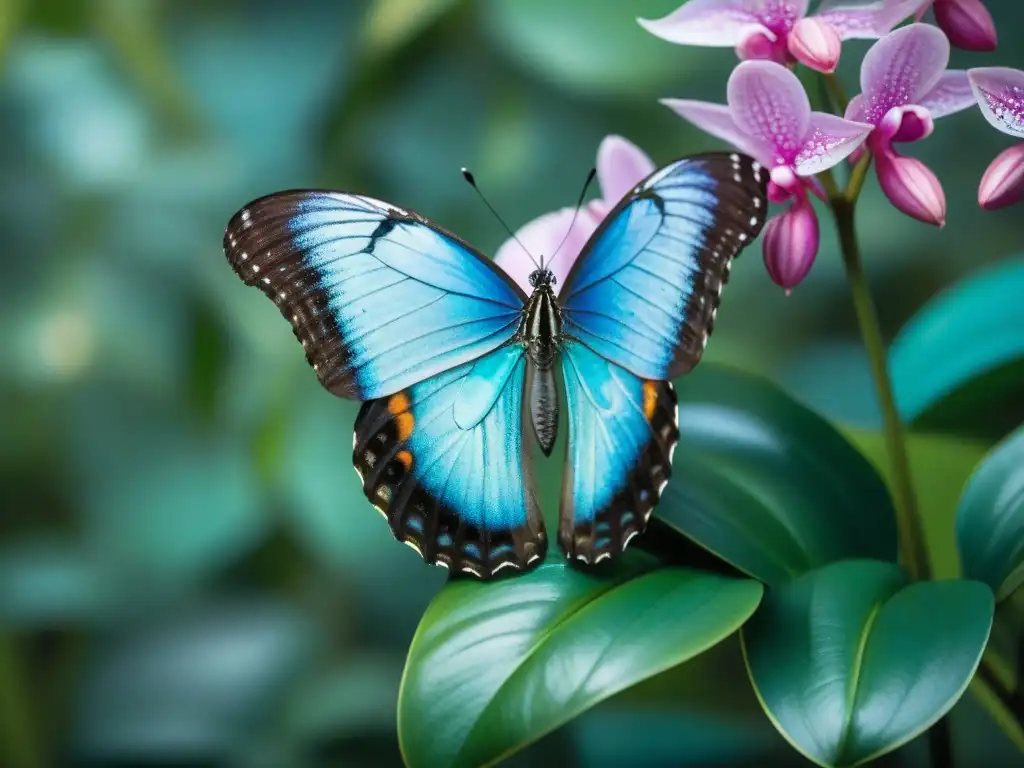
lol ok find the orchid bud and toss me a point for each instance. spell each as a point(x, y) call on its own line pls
point(1003, 182)
point(911, 187)
point(791, 244)
point(816, 44)
point(967, 24)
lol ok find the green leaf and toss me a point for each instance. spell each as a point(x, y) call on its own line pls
point(958, 364)
point(495, 666)
point(850, 661)
point(939, 467)
point(990, 519)
point(767, 484)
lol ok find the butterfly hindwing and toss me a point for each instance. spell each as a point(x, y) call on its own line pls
point(446, 463)
point(645, 289)
point(379, 297)
point(622, 432)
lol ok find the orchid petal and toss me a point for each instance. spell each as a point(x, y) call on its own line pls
point(856, 109)
point(902, 67)
point(951, 94)
point(708, 22)
point(541, 239)
point(768, 102)
point(869, 21)
point(716, 119)
point(1000, 94)
point(621, 165)
point(831, 141)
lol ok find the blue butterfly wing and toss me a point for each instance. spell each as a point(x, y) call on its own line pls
point(446, 463)
point(638, 306)
point(622, 432)
point(379, 297)
point(645, 289)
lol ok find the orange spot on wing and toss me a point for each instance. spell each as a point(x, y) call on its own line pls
point(398, 403)
point(405, 422)
point(650, 398)
point(405, 458)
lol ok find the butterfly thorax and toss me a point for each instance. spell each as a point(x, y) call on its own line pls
point(541, 334)
point(542, 326)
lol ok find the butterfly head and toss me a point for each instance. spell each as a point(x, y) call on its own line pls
point(541, 277)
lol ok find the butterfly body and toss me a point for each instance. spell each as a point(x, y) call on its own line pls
point(452, 358)
point(542, 336)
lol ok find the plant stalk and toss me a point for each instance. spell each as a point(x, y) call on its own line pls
point(908, 522)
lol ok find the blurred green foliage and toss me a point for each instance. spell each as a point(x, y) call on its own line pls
point(189, 573)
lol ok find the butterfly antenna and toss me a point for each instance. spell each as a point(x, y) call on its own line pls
point(579, 204)
point(472, 182)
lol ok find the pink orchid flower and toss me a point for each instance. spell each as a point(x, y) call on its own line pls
point(967, 23)
point(1000, 94)
point(769, 117)
point(905, 86)
point(621, 165)
point(781, 30)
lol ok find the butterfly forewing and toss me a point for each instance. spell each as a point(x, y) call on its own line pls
point(646, 288)
point(378, 298)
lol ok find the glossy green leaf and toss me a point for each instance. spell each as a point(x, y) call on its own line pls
point(767, 484)
point(850, 662)
point(494, 667)
point(958, 364)
point(990, 520)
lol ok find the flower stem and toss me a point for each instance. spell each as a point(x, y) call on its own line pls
point(908, 522)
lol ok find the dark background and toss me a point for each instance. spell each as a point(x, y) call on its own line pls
point(189, 574)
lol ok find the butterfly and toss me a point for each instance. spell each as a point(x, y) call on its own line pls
point(452, 359)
